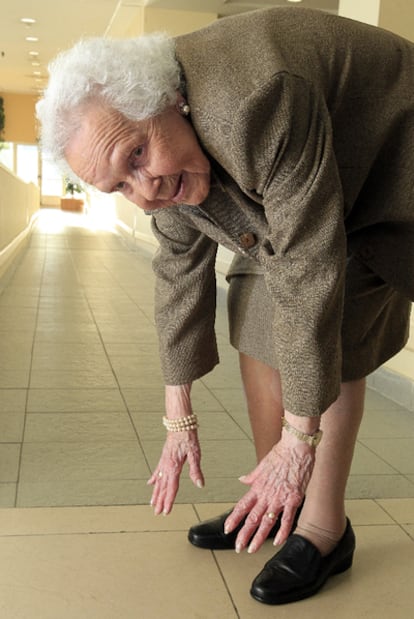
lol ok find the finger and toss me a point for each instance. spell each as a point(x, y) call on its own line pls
point(196, 474)
point(154, 478)
point(160, 480)
point(241, 509)
point(262, 533)
point(249, 479)
point(286, 524)
point(170, 494)
point(252, 524)
point(156, 499)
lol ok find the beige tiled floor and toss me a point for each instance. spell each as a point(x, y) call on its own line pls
point(80, 407)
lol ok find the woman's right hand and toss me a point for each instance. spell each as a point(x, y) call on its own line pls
point(178, 447)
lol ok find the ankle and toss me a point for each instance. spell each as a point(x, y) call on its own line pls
point(324, 539)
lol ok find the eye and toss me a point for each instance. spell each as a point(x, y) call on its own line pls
point(136, 155)
point(120, 186)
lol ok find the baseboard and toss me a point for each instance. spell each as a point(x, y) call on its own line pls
point(393, 386)
point(10, 252)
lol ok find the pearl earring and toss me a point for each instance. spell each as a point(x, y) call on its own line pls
point(184, 108)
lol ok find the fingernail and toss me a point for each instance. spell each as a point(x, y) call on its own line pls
point(276, 541)
point(226, 530)
point(200, 483)
point(238, 548)
point(252, 548)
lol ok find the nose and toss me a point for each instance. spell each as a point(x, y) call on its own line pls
point(144, 189)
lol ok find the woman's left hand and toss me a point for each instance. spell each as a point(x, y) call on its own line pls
point(278, 484)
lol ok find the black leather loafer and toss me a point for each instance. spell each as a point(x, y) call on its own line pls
point(298, 570)
point(210, 533)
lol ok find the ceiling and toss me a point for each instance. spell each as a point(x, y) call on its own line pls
point(59, 23)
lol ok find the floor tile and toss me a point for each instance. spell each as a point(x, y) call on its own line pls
point(367, 462)
point(401, 510)
point(7, 494)
point(398, 453)
point(9, 461)
point(379, 486)
point(112, 519)
point(14, 359)
point(67, 361)
point(75, 400)
point(383, 424)
point(152, 399)
point(79, 576)
point(14, 379)
point(216, 489)
point(376, 402)
point(91, 378)
point(12, 400)
point(78, 427)
point(232, 399)
point(11, 427)
point(367, 512)
point(83, 492)
point(82, 461)
point(409, 529)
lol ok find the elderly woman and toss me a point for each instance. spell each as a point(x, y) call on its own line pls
point(286, 136)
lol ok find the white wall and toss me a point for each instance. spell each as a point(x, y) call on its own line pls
point(362, 10)
point(19, 202)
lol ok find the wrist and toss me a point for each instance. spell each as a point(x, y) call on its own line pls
point(178, 401)
point(185, 423)
point(310, 438)
point(308, 425)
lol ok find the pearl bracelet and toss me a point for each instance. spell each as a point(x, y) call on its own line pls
point(182, 424)
point(311, 439)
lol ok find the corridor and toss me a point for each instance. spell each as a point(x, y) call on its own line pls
point(81, 402)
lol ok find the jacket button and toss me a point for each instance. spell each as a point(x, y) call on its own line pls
point(247, 240)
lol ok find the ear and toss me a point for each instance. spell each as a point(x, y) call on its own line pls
point(182, 105)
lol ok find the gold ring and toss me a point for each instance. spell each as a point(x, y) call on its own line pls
point(271, 515)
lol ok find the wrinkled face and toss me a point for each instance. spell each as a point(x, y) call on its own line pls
point(154, 163)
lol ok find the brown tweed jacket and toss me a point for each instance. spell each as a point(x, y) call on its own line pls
point(308, 120)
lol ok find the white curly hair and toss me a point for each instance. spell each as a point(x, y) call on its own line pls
point(138, 77)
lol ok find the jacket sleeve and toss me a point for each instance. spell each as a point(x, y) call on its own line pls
point(185, 298)
point(291, 163)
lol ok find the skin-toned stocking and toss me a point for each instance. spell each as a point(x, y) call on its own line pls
point(264, 403)
point(322, 520)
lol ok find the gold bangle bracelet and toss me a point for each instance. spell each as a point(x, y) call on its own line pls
point(311, 439)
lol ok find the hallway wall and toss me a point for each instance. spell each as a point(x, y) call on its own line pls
point(19, 110)
point(19, 203)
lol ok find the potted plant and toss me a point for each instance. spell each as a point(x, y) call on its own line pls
point(69, 202)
